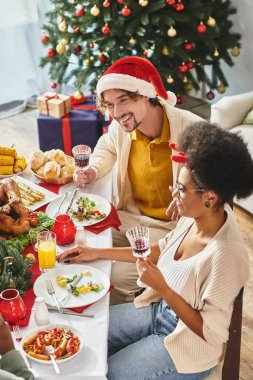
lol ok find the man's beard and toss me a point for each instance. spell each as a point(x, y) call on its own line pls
point(135, 126)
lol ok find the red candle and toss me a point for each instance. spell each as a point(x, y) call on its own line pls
point(12, 306)
point(64, 229)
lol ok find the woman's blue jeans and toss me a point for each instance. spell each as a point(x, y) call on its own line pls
point(136, 341)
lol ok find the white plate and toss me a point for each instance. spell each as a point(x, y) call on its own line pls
point(70, 270)
point(101, 204)
point(15, 174)
point(49, 195)
point(49, 327)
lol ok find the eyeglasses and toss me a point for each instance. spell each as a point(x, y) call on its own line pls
point(182, 190)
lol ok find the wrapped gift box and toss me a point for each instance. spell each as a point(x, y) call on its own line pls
point(54, 105)
point(83, 125)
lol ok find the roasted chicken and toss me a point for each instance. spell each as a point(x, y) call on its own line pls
point(13, 215)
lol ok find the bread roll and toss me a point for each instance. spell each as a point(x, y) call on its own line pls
point(36, 159)
point(40, 171)
point(47, 156)
point(70, 160)
point(58, 156)
point(52, 170)
point(67, 170)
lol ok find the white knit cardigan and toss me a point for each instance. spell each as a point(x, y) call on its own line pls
point(212, 285)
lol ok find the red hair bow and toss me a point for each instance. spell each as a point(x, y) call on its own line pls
point(180, 156)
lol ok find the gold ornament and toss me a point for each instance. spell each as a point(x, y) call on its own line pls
point(172, 32)
point(91, 58)
point(211, 21)
point(65, 41)
point(165, 50)
point(60, 48)
point(95, 11)
point(78, 95)
point(63, 26)
point(132, 41)
point(221, 88)
point(170, 80)
point(216, 53)
point(87, 62)
point(185, 79)
point(188, 86)
point(235, 51)
point(143, 3)
point(152, 47)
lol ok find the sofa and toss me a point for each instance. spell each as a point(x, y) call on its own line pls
point(230, 112)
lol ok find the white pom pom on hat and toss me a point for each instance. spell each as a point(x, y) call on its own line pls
point(134, 74)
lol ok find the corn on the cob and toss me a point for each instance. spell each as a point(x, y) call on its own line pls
point(4, 151)
point(5, 170)
point(20, 164)
point(6, 160)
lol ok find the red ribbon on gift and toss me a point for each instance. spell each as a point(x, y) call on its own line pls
point(48, 97)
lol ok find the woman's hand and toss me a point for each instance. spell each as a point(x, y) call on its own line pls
point(86, 176)
point(78, 254)
point(151, 275)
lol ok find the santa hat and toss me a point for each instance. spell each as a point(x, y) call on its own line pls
point(134, 74)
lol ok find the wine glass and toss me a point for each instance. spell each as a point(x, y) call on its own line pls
point(81, 154)
point(12, 306)
point(139, 240)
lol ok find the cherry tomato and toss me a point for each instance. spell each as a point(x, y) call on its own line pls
point(34, 222)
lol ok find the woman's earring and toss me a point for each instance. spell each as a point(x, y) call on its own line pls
point(207, 204)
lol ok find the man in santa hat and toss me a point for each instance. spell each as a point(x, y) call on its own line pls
point(136, 147)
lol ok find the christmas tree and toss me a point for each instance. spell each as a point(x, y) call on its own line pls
point(180, 37)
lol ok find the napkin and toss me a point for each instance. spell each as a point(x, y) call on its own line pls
point(80, 309)
point(112, 220)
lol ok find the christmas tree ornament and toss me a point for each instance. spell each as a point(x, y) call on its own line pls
point(63, 26)
point(183, 68)
point(145, 53)
point(61, 48)
point(106, 4)
point(188, 46)
point(121, 2)
point(80, 12)
point(53, 85)
point(172, 32)
point(95, 11)
point(91, 45)
point(86, 62)
point(91, 58)
point(171, 2)
point(51, 52)
point(170, 80)
point(216, 52)
point(65, 41)
point(44, 39)
point(221, 88)
point(185, 79)
point(78, 95)
point(235, 51)
point(126, 11)
point(201, 28)
point(191, 64)
point(102, 58)
point(179, 7)
point(106, 29)
point(143, 3)
point(165, 50)
point(152, 47)
point(188, 86)
point(211, 21)
point(210, 95)
point(75, 29)
point(179, 99)
point(132, 41)
point(77, 48)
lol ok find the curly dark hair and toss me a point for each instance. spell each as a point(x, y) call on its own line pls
point(219, 160)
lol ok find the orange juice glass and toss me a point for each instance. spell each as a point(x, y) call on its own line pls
point(47, 250)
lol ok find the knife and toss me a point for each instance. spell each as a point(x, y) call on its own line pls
point(52, 309)
point(72, 200)
point(68, 290)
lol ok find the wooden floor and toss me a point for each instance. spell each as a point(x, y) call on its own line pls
point(21, 130)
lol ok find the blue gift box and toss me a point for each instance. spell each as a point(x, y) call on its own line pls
point(84, 127)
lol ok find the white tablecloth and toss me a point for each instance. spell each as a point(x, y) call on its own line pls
point(91, 362)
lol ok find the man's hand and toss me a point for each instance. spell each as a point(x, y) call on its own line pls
point(78, 254)
point(6, 342)
point(84, 177)
point(173, 207)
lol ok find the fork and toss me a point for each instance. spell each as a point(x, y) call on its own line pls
point(50, 352)
point(68, 290)
point(18, 338)
point(57, 212)
point(51, 291)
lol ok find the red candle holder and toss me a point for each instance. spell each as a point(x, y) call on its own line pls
point(65, 229)
point(12, 306)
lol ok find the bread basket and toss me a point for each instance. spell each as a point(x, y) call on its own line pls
point(55, 181)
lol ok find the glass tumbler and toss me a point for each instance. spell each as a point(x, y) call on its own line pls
point(65, 229)
point(12, 306)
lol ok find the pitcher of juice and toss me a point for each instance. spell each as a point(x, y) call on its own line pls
point(46, 250)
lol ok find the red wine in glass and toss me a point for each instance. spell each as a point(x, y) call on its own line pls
point(141, 247)
point(82, 161)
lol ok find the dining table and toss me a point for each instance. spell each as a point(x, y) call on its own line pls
point(91, 361)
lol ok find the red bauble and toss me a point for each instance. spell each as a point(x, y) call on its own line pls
point(53, 85)
point(91, 46)
point(210, 95)
point(44, 39)
point(179, 100)
point(183, 68)
point(80, 12)
point(201, 28)
point(171, 2)
point(121, 2)
point(179, 7)
point(145, 53)
point(106, 4)
point(76, 29)
point(191, 64)
point(188, 46)
point(51, 52)
point(106, 30)
point(102, 58)
point(77, 48)
point(126, 11)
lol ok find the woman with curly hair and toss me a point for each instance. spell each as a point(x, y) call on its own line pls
point(178, 327)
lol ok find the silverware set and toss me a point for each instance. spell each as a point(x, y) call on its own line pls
point(18, 337)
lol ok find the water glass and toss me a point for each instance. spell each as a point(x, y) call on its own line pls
point(65, 229)
point(46, 250)
point(12, 306)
